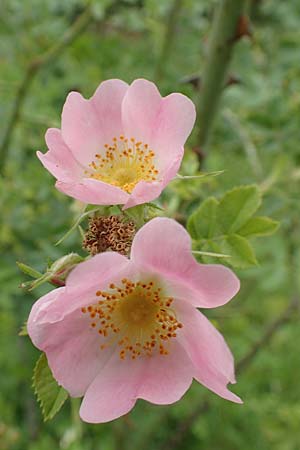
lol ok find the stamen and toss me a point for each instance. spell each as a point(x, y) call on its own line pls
point(124, 164)
point(136, 317)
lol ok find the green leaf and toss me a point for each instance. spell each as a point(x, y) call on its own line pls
point(259, 226)
point(76, 223)
point(23, 331)
point(241, 252)
point(50, 395)
point(212, 254)
point(237, 206)
point(201, 175)
point(202, 223)
point(56, 273)
point(28, 270)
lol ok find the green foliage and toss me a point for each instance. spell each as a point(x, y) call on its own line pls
point(23, 331)
point(224, 226)
point(55, 273)
point(255, 140)
point(50, 395)
point(202, 223)
point(259, 226)
point(236, 207)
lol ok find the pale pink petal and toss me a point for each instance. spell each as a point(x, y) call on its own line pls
point(107, 101)
point(211, 357)
point(163, 246)
point(94, 192)
point(71, 345)
point(85, 280)
point(38, 309)
point(88, 124)
point(140, 108)
point(172, 127)
point(163, 123)
point(146, 192)
point(59, 160)
point(166, 377)
point(160, 379)
point(113, 393)
point(96, 269)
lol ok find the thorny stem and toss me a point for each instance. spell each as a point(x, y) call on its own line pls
point(170, 33)
point(224, 34)
point(177, 438)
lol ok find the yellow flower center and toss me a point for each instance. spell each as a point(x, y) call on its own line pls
point(124, 164)
point(137, 317)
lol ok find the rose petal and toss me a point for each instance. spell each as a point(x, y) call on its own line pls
point(140, 108)
point(59, 160)
point(146, 192)
point(164, 247)
point(94, 192)
point(172, 128)
point(37, 310)
point(212, 359)
point(72, 346)
point(84, 281)
point(161, 379)
point(166, 377)
point(89, 124)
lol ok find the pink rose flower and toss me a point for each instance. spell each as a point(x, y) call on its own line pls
point(123, 329)
point(122, 146)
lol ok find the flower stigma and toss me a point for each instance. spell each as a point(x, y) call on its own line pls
point(137, 316)
point(124, 164)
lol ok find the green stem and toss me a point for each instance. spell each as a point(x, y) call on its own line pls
point(223, 37)
point(76, 421)
point(253, 7)
point(170, 33)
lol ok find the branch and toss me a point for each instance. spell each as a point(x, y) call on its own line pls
point(178, 436)
point(38, 63)
point(34, 66)
point(266, 337)
point(226, 30)
point(170, 33)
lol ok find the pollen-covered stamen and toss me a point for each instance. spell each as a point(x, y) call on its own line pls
point(124, 164)
point(137, 317)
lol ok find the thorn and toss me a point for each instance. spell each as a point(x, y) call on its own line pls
point(232, 80)
point(200, 154)
point(243, 28)
point(194, 80)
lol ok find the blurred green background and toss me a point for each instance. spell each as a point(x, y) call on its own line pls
point(255, 140)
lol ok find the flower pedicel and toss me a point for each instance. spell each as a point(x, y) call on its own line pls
point(123, 329)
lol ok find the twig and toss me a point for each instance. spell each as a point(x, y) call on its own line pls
point(170, 33)
point(224, 34)
point(34, 66)
point(177, 438)
point(284, 317)
point(38, 63)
